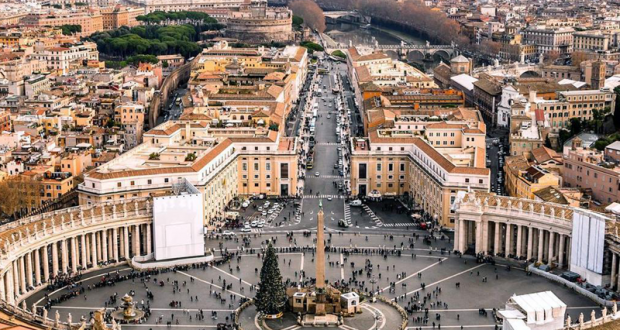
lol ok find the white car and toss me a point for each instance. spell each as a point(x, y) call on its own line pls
point(317, 174)
point(260, 225)
point(356, 202)
point(253, 224)
point(260, 209)
point(329, 198)
point(264, 213)
point(228, 233)
point(245, 204)
point(270, 211)
point(246, 229)
point(276, 205)
point(267, 203)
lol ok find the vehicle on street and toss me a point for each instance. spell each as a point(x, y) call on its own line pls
point(264, 213)
point(356, 202)
point(246, 229)
point(329, 198)
point(228, 233)
point(253, 224)
point(245, 204)
point(317, 174)
point(343, 224)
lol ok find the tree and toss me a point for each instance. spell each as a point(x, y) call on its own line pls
point(310, 12)
point(339, 53)
point(70, 29)
point(550, 56)
point(617, 108)
point(271, 296)
point(297, 22)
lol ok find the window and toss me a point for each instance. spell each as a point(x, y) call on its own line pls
point(245, 166)
point(166, 180)
point(133, 183)
point(268, 166)
point(361, 170)
point(118, 184)
point(402, 167)
point(149, 181)
point(284, 170)
point(255, 166)
point(467, 180)
point(391, 167)
point(378, 167)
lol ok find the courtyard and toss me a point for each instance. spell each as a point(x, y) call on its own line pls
point(409, 270)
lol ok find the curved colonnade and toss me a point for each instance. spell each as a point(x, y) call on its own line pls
point(39, 250)
point(514, 227)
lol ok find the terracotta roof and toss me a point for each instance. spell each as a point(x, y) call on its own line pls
point(544, 154)
point(488, 86)
point(444, 125)
point(440, 159)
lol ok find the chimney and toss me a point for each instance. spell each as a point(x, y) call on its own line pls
point(532, 97)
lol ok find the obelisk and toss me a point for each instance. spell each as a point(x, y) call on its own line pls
point(320, 249)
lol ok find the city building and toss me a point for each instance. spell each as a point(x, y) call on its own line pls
point(548, 38)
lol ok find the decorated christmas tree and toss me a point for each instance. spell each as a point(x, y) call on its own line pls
point(271, 296)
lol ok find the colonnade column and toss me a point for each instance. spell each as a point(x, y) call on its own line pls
point(462, 242)
point(93, 252)
point(46, 264)
point(104, 245)
point(530, 243)
point(37, 267)
point(561, 253)
point(2, 292)
point(74, 257)
point(614, 268)
point(83, 249)
point(498, 230)
point(508, 239)
point(29, 269)
point(22, 274)
point(136, 240)
point(519, 241)
point(64, 256)
point(126, 242)
point(148, 238)
point(115, 243)
point(54, 259)
point(551, 250)
point(541, 237)
point(16, 276)
point(10, 289)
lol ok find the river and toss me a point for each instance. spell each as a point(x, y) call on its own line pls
point(345, 33)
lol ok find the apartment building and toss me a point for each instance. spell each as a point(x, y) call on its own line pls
point(524, 179)
point(117, 16)
point(399, 163)
point(591, 41)
point(549, 38)
point(576, 104)
point(410, 153)
point(60, 59)
point(90, 22)
point(220, 167)
point(587, 168)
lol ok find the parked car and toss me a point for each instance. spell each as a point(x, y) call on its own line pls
point(228, 233)
point(356, 202)
point(246, 229)
point(253, 224)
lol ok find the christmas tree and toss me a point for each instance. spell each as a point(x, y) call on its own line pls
point(271, 296)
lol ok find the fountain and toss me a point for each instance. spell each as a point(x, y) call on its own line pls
point(128, 312)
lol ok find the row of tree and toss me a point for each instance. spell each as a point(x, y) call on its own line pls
point(151, 39)
point(70, 29)
point(158, 17)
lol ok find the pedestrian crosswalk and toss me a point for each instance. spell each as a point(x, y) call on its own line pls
point(347, 213)
point(373, 216)
point(323, 196)
point(327, 144)
point(406, 224)
point(325, 177)
point(256, 230)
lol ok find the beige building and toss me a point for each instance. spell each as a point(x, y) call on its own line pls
point(117, 16)
point(524, 179)
point(591, 41)
point(425, 161)
point(587, 168)
point(90, 22)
